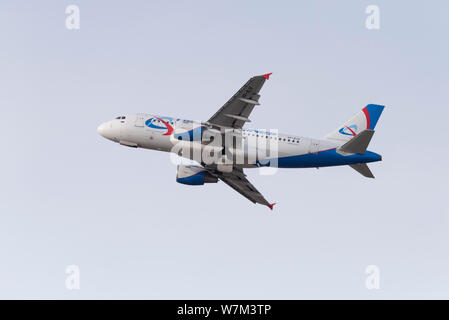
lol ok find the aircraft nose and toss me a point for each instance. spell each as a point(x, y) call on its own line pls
point(102, 129)
point(109, 131)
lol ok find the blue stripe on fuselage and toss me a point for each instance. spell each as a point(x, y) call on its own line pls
point(325, 158)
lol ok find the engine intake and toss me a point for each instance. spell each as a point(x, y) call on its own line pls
point(194, 176)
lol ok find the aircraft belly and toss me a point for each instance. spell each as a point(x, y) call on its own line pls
point(325, 158)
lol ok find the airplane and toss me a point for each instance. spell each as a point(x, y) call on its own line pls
point(221, 148)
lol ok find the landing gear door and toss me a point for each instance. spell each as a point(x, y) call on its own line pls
point(140, 120)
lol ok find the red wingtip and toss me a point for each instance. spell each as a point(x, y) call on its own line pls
point(272, 205)
point(267, 76)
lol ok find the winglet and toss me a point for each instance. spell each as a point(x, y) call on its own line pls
point(267, 75)
point(271, 205)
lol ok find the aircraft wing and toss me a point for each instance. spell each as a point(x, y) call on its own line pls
point(236, 111)
point(237, 180)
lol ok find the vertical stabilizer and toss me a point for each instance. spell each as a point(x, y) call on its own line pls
point(366, 119)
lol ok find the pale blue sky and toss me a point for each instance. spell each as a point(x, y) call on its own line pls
point(71, 197)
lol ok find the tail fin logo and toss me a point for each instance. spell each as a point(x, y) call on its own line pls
point(349, 131)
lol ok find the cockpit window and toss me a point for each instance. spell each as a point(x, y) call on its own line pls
point(121, 117)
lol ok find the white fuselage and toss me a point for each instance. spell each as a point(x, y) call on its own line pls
point(250, 147)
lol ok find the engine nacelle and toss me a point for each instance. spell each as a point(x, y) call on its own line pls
point(194, 175)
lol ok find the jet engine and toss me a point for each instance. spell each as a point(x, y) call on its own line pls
point(194, 175)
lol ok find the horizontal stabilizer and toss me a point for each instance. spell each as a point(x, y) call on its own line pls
point(359, 143)
point(363, 169)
